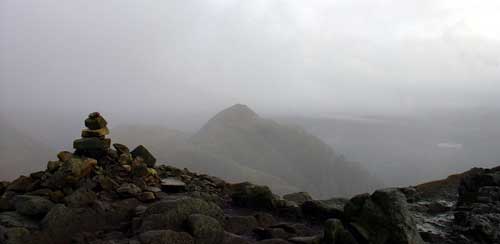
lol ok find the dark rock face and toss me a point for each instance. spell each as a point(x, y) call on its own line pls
point(477, 213)
point(384, 216)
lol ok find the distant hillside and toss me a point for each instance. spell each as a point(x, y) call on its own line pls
point(239, 145)
point(290, 153)
point(19, 153)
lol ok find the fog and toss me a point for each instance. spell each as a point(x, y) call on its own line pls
point(176, 63)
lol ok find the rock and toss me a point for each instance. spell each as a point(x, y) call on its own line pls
point(298, 197)
point(335, 233)
point(95, 123)
point(205, 229)
point(81, 198)
point(128, 189)
point(121, 149)
point(319, 210)
point(62, 223)
point(99, 133)
point(64, 156)
point(385, 216)
point(146, 196)
point(56, 196)
point(172, 185)
point(91, 143)
point(32, 205)
point(306, 240)
point(107, 183)
point(141, 151)
point(165, 236)
point(16, 235)
point(240, 224)
point(265, 219)
point(171, 214)
point(43, 192)
point(14, 219)
point(21, 184)
point(273, 241)
point(272, 233)
point(53, 165)
point(3, 186)
point(230, 238)
point(252, 196)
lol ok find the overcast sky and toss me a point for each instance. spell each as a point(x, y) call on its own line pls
point(147, 57)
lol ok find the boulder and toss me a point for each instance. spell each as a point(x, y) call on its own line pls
point(165, 236)
point(80, 198)
point(32, 205)
point(298, 197)
point(273, 241)
point(265, 219)
point(171, 214)
point(14, 219)
point(385, 217)
point(305, 240)
point(53, 165)
point(205, 229)
point(252, 196)
point(141, 151)
point(240, 224)
point(230, 238)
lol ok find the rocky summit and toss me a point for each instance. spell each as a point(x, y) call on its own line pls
point(100, 194)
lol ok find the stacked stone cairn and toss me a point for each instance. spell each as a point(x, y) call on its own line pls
point(93, 141)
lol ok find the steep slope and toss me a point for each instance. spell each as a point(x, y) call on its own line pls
point(174, 148)
point(19, 153)
point(290, 153)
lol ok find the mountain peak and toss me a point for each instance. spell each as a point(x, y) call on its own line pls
point(237, 112)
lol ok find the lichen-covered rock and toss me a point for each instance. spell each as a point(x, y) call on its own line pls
point(385, 216)
point(298, 197)
point(32, 205)
point(171, 214)
point(205, 229)
point(165, 236)
point(21, 184)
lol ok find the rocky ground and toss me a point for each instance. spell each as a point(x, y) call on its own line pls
point(104, 195)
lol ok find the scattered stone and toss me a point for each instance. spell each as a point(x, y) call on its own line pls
point(172, 185)
point(64, 156)
point(121, 149)
point(298, 197)
point(128, 189)
point(141, 151)
point(146, 196)
point(32, 205)
point(171, 214)
point(205, 229)
point(21, 184)
point(53, 165)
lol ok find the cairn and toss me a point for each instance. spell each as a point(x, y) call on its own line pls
point(93, 141)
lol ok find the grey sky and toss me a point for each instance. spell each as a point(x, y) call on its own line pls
point(276, 56)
